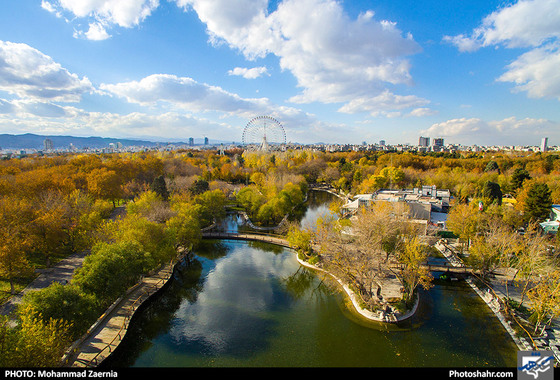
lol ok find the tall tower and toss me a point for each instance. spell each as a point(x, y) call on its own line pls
point(544, 144)
point(48, 144)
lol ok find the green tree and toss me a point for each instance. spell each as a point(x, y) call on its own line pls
point(519, 175)
point(301, 241)
point(492, 166)
point(66, 303)
point(160, 188)
point(111, 269)
point(156, 241)
point(199, 186)
point(184, 226)
point(213, 203)
point(492, 191)
point(538, 202)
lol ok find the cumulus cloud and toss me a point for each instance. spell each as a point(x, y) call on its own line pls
point(334, 58)
point(69, 120)
point(28, 73)
point(509, 131)
point(383, 104)
point(103, 13)
point(536, 72)
point(528, 24)
point(96, 32)
point(187, 95)
point(183, 92)
point(252, 73)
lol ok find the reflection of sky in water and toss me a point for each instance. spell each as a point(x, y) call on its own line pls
point(313, 213)
point(230, 314)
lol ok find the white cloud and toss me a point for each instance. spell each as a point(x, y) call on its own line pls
point(185, 93)
point(334, 58)
point(383, 104)
point(509, 131)
point(529, 24)
point(28, 73)
point(422, 111)
point(69, 120)
point(252, 73)
point(463, 43)
point(103, 13)
point(537, 72)
point(96, 32)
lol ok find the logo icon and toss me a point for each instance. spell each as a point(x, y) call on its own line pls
point(533, 365)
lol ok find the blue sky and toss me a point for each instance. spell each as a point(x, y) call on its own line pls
point(473, 72)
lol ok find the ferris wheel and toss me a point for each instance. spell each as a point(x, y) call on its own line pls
point(264, 133)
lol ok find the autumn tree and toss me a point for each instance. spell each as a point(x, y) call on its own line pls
point(411, 272)
point(545, 300)
point(35, 342)
point(48, 225)
point(379, 243)
point(105, 184)
point(493, 246)
point(464, 221)
point(16, 215)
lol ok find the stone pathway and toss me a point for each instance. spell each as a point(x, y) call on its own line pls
point(109, 330)
point(550, 342)
point(61, 272)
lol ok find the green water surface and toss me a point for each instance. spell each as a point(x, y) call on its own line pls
point(242, 304)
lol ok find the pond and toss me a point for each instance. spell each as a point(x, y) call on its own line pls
point(248, 304)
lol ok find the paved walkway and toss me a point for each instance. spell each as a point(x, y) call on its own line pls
point(246, 236)
point(61, 272)
point(550, 342)
point(109, 330)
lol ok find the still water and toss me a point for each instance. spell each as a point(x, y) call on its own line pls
point(243, 304)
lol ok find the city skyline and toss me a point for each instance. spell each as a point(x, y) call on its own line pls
point(476, 73)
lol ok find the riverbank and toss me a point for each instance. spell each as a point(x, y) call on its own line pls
point(378, 316)
point(550, 342)
point(105, 335)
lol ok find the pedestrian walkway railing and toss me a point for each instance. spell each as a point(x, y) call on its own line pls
point(147, 290)
point(253, 235)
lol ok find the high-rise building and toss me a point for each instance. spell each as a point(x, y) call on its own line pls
point(544, 144)
point(191, 141)
point(423, 141)
point(48, 144)
point(206, 141)
point(438, 141)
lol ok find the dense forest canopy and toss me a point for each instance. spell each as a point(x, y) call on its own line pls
point(52, 206)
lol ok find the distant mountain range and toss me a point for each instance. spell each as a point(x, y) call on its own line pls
point(33, 141)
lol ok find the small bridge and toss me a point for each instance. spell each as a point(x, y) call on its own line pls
point(254, 236)
point(281, 240)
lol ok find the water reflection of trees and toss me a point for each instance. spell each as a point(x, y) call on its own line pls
point(212, 249)
point(155, 318)
point(304, 281)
